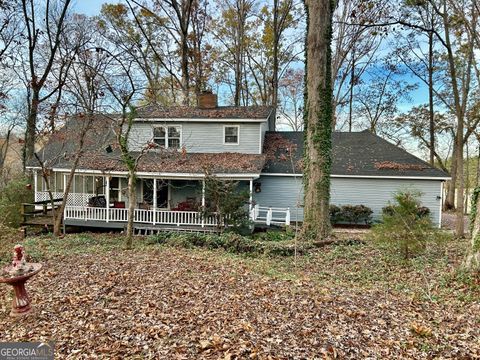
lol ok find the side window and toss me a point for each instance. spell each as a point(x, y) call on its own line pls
point(231, 134)
point(167, 136)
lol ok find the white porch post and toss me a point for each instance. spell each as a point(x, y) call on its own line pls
point(35, 185)
point(154, 201)
point(269, 217)
point(251, 193)
point(66, 204)
point(154, 193)
point(107, 197)
point(203, 202)
point(64, 183)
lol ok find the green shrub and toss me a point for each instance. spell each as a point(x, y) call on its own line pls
point(230, 242)
point(276, 235)
point(11, 198)
point(335, 214)
point(362, 214)
point(422, 211)
point(227, 204)
point(404, 227)
point(351, 214)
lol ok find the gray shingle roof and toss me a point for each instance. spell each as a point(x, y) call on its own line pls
point(353, 153)
point(220, 112)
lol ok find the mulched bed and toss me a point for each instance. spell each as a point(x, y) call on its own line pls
point(178, 304)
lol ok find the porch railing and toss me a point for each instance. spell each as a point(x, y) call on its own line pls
point(154, 217)
point(258, 214)
point(270, 215)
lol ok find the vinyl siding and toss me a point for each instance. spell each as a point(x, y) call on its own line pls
point(279, 191)
point(263, 130)
point(203, 137)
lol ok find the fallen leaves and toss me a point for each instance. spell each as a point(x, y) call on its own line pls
point(392, 165)
point(181, 304)
point(421, 330)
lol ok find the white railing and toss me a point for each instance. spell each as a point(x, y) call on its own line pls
point(258, 214)
point(270, 215)
point(154, 217)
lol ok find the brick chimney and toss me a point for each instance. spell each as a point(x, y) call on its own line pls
point(207, 100)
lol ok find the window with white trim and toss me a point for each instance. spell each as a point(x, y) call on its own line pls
point(231, 134)
point(167, 136)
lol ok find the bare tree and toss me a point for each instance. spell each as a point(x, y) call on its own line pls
point(231, 31)
point(43, 31)
point(291, 90)
point(318, 120)
point(461, 92)
point(123, 89)
point(377, 100)
point(355, 48)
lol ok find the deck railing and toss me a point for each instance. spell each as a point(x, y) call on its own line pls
point(154, 216)
point(258, 214)
point(39, 208)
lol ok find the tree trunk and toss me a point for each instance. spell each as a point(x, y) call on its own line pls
point(57, 224)
point(132, 200)
point(451, 185)
point(430, 98)
point(472, 262)
point(318, 120)
point(31, 128)
point(350, 100)
point(239, 51)
point(185, 73)
point(276, 40)
point(238, 76)
point(459, 226)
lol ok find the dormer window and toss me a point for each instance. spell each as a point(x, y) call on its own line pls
point(231, 134)
point(167, 136)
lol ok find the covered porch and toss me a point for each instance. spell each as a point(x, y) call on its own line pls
point(101, 200)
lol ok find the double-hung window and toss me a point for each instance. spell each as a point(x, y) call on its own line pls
point(231, 134)
point(167, 136)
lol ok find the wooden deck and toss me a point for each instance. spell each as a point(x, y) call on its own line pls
point(39, 220)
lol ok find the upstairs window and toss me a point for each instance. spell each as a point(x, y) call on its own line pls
point(231, 134)
point(174, 137)
point(167, 136)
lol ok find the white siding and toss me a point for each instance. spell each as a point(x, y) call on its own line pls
point(279, 191)
point(203, 137)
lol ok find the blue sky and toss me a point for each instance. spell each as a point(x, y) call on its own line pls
point(90, 7)
point(419, 96)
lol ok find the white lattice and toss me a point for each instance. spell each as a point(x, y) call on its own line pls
point(74, 199)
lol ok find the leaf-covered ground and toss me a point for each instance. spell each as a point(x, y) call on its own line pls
point(96, 300)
